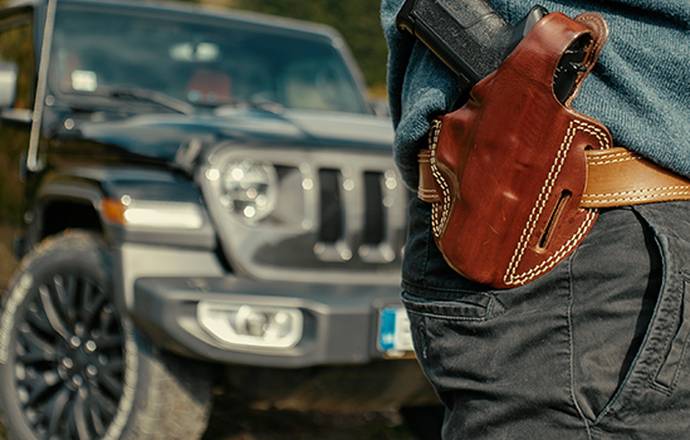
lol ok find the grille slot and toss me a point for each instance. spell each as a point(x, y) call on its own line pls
point(331, 225)
point(374, 213)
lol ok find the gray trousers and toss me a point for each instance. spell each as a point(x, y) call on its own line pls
point(596, 349)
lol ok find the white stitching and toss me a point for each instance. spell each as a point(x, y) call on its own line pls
point(637, 191)
point(510, 278)
point(651, 197)
point(598, 156)
point(439, 212)
point(555, 258)
point(613, 155)
point(604, 162)
point(541, 202)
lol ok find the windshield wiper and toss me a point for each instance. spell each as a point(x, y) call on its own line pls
point(262, 104)
point(146, 95)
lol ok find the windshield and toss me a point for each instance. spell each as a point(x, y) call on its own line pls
point(207, 64)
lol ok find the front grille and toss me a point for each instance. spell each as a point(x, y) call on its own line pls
point(354, 218)
point(330, 207)
point(374, 213)
point(339, 217)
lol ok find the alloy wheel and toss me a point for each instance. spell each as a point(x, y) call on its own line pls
point(69, 358)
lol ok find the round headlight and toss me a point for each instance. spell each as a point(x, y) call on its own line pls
point(249, 189)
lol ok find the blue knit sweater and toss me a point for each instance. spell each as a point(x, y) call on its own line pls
point(640, 89)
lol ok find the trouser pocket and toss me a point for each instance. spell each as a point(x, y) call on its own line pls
point(498, 360)
point(656, 384)
point(443, 331)
point(668, 371)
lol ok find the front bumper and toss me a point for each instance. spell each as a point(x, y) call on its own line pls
point(340, 321)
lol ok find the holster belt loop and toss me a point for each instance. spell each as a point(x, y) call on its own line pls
point(427, 190)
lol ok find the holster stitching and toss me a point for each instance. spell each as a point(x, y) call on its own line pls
point(638, 191)
point(510, 277)
point(654, 196)
point(604, 162)
point(436, 210)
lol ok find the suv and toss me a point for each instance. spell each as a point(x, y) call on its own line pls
point(191, 200)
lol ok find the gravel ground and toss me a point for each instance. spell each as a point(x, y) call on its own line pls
point(284, 425)
point(275, 425)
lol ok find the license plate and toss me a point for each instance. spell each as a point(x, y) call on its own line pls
point(394, 338)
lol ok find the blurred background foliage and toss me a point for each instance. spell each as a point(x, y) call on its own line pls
point(357, 20)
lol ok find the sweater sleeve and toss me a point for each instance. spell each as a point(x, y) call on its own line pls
point(419, 87)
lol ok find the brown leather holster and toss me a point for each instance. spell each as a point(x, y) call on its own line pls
point(506, 173)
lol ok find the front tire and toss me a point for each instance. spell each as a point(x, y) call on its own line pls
point(71, 367)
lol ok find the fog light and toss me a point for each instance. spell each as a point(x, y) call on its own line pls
point(254, 326)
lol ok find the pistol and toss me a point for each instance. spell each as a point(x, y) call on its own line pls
point(473, 40)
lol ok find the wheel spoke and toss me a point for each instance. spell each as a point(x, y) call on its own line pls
point(43, 407)
point(96, 416)
point(85, 294)
point(71, 426)
point(80, 418)
point(114, 366)
point(52, 313)
point(108, 342)
point(34, 343)
point(111, 384)
point(40, 389)
point(39, 321)
point(60, 403)
point(65, 293)
point(107, 319)
point(104, 403)
point(35, 357)
point(91, 311)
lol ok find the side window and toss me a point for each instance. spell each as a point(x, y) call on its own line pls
point(16, 47)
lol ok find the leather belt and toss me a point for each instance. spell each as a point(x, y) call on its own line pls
point(615, 177)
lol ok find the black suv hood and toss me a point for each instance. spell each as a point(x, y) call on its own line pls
point(159, 137)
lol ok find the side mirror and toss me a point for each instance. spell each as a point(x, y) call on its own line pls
point(8, 84)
